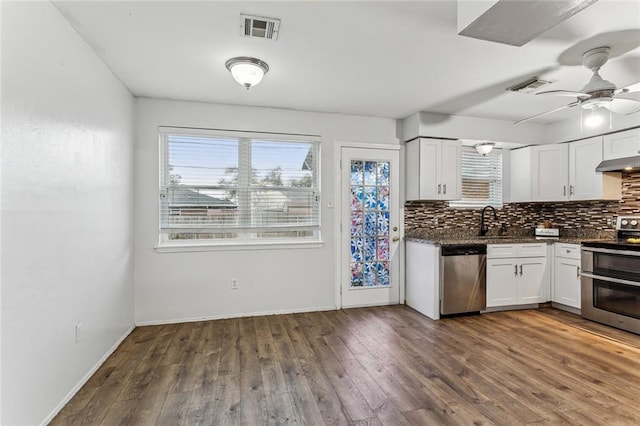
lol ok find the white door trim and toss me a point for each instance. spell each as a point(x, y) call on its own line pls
point(337, 158)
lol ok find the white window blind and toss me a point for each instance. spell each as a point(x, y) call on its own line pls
point(481, 179)
point(234, 187)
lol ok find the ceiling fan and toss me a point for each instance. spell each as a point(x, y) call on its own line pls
point(597, 93)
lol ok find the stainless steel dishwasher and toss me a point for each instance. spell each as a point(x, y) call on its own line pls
point(463, 278)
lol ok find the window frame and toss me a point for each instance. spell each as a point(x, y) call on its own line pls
point(461, 204)
point(245, 187)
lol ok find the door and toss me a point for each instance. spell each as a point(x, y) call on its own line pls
point(531, 280)
point(567, 282)
point(550, 172)
point(429, 169)
point(450, 167)
point(502, 285)
point(520, 172)
point(370, 227)
point(584, 182)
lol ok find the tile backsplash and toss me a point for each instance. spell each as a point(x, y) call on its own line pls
point(568, 215)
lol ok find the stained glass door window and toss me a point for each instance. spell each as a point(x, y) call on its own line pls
point(369, 224)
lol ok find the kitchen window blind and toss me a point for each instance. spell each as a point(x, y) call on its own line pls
point(226, 187)
point(481, 179)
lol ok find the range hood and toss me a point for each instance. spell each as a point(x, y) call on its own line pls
point(619, 164)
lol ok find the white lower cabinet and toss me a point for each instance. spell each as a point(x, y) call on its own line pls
point(517, 274)
point(423, 278)
point(566, 285)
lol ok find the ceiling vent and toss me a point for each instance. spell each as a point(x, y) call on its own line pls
point(259, 27)
point(528, 86)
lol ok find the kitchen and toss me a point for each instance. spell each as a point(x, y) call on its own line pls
point(94, 100)
point(536, 233)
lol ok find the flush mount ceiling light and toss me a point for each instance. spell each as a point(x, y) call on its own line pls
point(247, 71)
point(484, 148)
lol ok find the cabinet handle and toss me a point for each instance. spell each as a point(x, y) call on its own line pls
point(577, 272)
point(439, 188)
point(444, 188)
point(564, 190)
point(515, 272)
point(520, 270)
point(571, 191)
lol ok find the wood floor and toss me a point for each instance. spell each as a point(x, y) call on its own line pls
point(384, 365)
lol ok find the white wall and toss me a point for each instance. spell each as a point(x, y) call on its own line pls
point(180, 286)
point(569, 130)
point(435, 125)
point(67, 158)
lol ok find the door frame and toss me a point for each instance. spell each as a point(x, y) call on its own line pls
point(337, 214)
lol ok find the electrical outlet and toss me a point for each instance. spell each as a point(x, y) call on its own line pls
point(234, 284)
point(610, 221)
point(78, 332)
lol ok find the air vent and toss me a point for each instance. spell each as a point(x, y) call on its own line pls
point(259, 27)
point(528, 86)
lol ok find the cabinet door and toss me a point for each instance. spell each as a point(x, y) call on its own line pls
point(520, 174)
point(429, 170)
point(450, 170)
point(550, 172)
point(622, 144)
point(532, 280)
point(412, 164)
point(502, 287)
point(567, 282)
point(584, 182)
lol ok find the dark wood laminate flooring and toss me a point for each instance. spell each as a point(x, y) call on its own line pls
point(368, 366)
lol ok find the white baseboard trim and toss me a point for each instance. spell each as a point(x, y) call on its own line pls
point(511, 308)
point(566, 308)
point(227, 316)
point(359, 305)
point(85, 378)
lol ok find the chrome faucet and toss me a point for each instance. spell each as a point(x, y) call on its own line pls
point(483, 228)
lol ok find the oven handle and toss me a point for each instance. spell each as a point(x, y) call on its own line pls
point(611, 251)
point(611, 280)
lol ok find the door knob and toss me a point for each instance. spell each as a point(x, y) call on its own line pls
point(394, 239)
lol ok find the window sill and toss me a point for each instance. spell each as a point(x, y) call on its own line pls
point(180, 248)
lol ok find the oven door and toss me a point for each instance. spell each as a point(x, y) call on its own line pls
point(611, 288)
point(621, 264)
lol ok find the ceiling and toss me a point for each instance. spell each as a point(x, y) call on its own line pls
point(384, 59)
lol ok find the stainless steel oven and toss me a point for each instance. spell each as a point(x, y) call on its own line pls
point(610, 282)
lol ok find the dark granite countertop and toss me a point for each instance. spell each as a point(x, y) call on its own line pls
point(454, 237)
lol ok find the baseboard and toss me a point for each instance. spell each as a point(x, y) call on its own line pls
point(358, 305)
point(511, 308)
point(566, 308)
point(227, 316)
point(85, 378)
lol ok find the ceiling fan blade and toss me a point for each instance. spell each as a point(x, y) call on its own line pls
point(563, 93)
point(629, 89)
point(572, 104)
point(624, 106)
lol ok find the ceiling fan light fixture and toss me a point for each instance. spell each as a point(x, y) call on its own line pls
point(247, 71)
point(484, 148)
point(593, 120)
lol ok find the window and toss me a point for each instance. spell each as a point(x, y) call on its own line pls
point(481, 179)
point(236, 187)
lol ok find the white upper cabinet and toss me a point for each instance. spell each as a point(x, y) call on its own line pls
point(622, 144)
point(550, 172)
point(567, 172)
point(434, 169)
point(584, 182)
point(520, 175)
